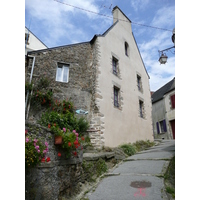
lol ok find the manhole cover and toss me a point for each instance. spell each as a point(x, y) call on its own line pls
point(140, 184)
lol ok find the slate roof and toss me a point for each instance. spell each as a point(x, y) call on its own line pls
point(168, 87)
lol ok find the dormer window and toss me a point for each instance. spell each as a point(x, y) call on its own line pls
point(126, 49)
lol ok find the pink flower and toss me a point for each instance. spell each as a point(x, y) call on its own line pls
point(45, 151)
point(46, 144)
point(64, 129)
point(37, 147)
point(27, 140)
point(35, 140)
point(74, 131)
point(76, 134)
point(38, 151)
point(77, 138)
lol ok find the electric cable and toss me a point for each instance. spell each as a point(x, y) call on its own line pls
point(111, 17)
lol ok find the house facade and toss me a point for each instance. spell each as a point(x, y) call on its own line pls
point(163, 111)
point(105, 77)
point(32, 42)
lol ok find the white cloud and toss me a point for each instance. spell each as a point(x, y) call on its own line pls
point(164, 17)
point(139, 4)
point(58, 20)
point(160, 40)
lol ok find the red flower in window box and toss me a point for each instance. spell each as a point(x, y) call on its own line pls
point(43, 160)
point(49, 126)
point(59, 154)
point(48, 159)
point(26, 131)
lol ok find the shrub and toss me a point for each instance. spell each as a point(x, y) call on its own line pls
point(128, 149)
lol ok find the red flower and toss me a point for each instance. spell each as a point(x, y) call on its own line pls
point(69, 106)
point(69, 144)
point(64, 109)
point(59, 154)
point(26, 131)
point(43, 160)
point(54, 124)
point(75, 153)
point(76, 142)
point(48, 159)
point(82, 138)
point(49, 126)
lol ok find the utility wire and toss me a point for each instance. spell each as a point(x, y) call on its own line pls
point(111, 17)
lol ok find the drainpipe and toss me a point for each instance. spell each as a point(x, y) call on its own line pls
point(29, 82)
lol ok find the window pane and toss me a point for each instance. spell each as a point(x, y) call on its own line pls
point(65, 74)
point(59, 74)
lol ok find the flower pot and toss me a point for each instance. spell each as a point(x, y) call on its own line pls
point(58, 140)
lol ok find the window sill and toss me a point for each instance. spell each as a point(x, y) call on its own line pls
point(62, 81)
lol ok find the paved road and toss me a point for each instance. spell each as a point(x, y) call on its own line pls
point(138, 177)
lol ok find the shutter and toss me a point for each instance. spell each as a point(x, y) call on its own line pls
point(157, 124)
point(164, 126)
point(173, 101)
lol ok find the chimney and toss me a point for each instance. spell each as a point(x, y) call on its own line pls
point(119, 15)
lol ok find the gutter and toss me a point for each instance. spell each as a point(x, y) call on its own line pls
point(33, 64)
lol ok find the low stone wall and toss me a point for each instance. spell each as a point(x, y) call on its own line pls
point(55, 179)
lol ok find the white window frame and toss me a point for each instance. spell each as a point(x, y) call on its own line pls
point(63, 66)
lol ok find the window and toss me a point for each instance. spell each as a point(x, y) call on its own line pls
point(141, 106)
point(115, 64)
point(161, 126)
point(139, 83)
point(126, 49)
point(173, 100)
point(62, 73)
point(116, 97)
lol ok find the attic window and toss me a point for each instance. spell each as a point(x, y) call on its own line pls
point(126, 49)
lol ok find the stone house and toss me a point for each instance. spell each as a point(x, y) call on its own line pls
point(163, 111)
point(32, 42)
point(105, 77)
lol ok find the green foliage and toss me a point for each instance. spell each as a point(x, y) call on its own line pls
point(142, 145)
point(67, 120)
point(128, 149)
point(43, 82)
point(82, 125)
point(28, 87)
point(101, 167)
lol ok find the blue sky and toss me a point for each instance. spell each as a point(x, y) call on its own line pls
point(57, 24)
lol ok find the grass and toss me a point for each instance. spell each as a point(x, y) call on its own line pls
point(170, 178)
point(131, 149)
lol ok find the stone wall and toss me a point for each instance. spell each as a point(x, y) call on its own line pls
point(81, 70)
point(55, 179)
point(82, 88)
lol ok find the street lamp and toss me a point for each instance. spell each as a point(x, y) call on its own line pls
point(163, 57)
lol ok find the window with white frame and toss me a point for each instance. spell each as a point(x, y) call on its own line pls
point(62, 74)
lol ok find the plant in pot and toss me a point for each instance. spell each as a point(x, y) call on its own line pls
point(58, 134)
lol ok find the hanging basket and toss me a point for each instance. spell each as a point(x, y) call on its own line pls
point(58, 140)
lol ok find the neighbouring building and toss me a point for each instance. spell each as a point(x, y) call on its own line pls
point(32, 42)
point(105, 77)
point(163, 111)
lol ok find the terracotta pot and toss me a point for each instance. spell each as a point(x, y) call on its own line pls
point(58, 140)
